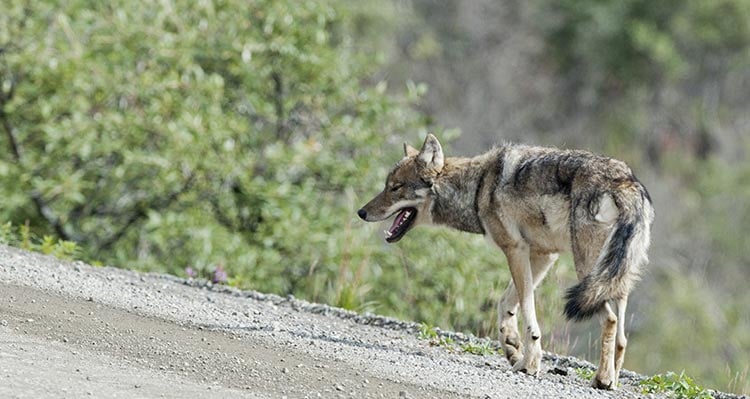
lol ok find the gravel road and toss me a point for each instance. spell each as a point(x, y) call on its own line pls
point(74, 330)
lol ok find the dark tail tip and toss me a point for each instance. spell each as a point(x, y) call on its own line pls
point(578, 307)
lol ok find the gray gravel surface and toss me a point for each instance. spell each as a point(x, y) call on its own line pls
point(73, 330)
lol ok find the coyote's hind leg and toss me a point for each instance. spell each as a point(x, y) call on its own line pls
point(605, 377)
point(620, 342)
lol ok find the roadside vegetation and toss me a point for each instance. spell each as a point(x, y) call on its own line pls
point(23, 238)
point(678, 386)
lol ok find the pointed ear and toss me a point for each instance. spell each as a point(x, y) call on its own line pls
point(410, 151)
point(431, 155)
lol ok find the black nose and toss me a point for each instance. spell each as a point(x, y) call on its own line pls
point(362, 214)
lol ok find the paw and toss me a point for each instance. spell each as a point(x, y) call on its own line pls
point(603, 382)
point(513, 355)
point(530, 365)
point(512, 348)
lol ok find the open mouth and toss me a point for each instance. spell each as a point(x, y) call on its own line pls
point(404, 219)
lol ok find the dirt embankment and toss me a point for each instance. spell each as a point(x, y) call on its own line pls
point(72, 330)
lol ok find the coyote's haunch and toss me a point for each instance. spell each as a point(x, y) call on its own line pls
point(534, 202)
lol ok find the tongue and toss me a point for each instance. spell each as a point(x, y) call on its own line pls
point(400, 217)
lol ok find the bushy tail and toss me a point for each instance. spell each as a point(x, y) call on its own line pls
point(618, 265)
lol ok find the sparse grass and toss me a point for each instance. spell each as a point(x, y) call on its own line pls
point(427, 332)
point(478, 348)
point(446, 342)
point(22, 237)
point(738, 380)
point(679, 386)
point(430, 333)
point(585, 373)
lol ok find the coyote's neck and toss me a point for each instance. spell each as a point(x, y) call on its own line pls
point(455, 194)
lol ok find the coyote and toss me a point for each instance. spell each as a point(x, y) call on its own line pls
point(534, 203)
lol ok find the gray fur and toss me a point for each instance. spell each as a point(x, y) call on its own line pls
point(533, 203)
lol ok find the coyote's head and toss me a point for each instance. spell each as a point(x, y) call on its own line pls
point(408, 188)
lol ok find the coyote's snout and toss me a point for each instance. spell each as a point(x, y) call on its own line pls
point(534, 202)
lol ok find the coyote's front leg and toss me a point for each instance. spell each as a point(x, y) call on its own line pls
point(518, 255)
point(507, 308)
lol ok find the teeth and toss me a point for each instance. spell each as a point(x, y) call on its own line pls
point(407, 214)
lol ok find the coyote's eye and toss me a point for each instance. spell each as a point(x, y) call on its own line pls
point(396, 187)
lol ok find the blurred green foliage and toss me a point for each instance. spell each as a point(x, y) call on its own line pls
point(614, 45)
point(654, 75)
point(224, 134)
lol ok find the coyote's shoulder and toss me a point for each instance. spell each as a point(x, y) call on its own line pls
point(533, 202)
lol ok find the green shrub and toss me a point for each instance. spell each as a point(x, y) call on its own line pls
point(230, 136)
point(679, 386)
